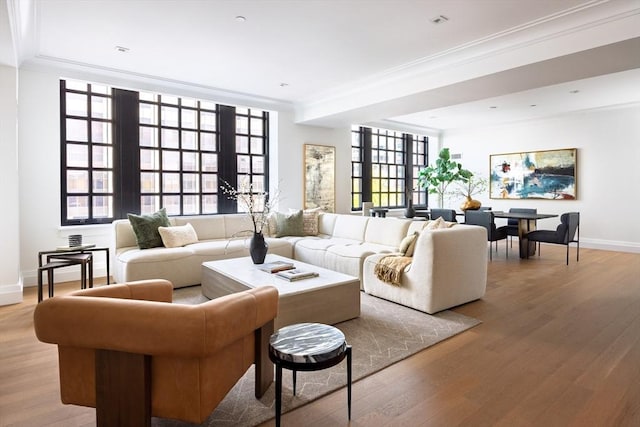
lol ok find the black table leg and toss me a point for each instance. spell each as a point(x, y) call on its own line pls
point(278, 393)
point(294, 381)
point(348, 351)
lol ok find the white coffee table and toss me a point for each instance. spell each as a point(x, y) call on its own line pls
point(329, 298)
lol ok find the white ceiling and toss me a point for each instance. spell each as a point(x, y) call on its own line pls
point(352, 61)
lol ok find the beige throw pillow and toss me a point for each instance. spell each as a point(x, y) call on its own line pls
point(179, 235)
point(309, 220)
point(436, 224)
point(408, 244)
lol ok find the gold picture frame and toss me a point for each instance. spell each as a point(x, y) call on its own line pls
point(319, 177)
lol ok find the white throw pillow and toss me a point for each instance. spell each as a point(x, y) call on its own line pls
point(179, 235)
point(436, 224)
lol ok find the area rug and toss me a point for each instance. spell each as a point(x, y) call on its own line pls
point(383, 334)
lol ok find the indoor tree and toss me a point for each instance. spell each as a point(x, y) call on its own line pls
point(436, 178)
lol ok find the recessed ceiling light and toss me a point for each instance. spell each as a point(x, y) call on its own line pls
point(122, 49)
point(533, 105)
point(433, 117)
point(284, 84)
point(574, 91)
point(440, 19)
point(241, 18)
point(493, 107)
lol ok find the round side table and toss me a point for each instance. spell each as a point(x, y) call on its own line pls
point(307, 347)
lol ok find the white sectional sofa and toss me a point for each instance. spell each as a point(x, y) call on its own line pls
point(449, 265)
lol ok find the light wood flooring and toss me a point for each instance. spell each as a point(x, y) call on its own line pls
point(558, 346)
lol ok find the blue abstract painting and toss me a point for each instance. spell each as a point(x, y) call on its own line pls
point(549, 174)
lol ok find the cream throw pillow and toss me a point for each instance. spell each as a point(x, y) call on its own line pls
point(407, 244)
point(309, 220)
point(179, 235)
point(436, 224)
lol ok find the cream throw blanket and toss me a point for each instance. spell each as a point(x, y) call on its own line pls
point(389, 268)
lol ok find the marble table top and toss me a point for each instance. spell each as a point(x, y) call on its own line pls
point(307, 343)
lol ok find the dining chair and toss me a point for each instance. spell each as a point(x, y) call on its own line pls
point(512, 223)
point(446, 214)
point(486, 219)
point(567, 232)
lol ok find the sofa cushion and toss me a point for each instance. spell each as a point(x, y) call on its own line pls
point(178, 235)
point(386, 231)
point(207, 227)
point(145, 228)
point(351, 227)
point(289, 224)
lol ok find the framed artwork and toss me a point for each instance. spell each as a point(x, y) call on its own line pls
point(549, 174)
point(319, 177)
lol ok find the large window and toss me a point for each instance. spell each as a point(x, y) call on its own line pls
point(126, 151)
point(384, 167)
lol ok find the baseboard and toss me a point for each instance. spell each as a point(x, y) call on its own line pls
point(66, 274)
point(11, 294)
point(610, 245)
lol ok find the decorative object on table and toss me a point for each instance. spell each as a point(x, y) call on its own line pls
point(75, 240)
point(437, 178)
point(257, 204)
point(319, 177)
point(409, 211)
point(296, 274)
point(549, 174)
point(474, 185)
point(276, 266)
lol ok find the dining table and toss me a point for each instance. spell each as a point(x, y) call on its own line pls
point(526, 224)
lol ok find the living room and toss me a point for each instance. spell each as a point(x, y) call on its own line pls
point(601, 119)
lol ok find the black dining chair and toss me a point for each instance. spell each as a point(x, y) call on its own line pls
point(486, 219)
point(512, 223)
point(566, 233)
point(446, 214)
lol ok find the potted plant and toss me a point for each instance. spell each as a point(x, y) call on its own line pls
point(437, 178)
point(474, 185)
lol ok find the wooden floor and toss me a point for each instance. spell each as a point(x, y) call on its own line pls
point(558, 346)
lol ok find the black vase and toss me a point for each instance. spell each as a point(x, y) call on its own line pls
point(258, 248)
point(409, 212)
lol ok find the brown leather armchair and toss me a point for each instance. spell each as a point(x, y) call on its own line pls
point(128, 352)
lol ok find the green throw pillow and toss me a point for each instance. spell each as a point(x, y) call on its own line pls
point(290, 224)
point(145, 228)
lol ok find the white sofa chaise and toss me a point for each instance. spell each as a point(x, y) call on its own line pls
point(449, 265)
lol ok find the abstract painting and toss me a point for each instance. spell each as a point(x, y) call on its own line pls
point(549, 174)
point(319, 177)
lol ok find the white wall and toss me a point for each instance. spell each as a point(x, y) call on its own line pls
point(40, 170)
point(10, 280)
point(607, 169)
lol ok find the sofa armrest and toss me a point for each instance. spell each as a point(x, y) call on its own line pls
point(154, 328)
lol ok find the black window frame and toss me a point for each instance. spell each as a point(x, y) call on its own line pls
point(127, 168)
point(367, 169)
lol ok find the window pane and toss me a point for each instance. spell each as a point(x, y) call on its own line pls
point(101, 132)
point(149, 114)
point(207, 105)
point(100, 107)
point(258, 164)
point(149, 204)
point(102, 182)
point(209, 162)
point(258, 182)
point(243, 164)
point(170, 182)
point(242, 144)
point(207, 121)
point(149, 159)
point(209, 204)
point(77, 181)
point(172, 204)
point(99, 89)
point(77, 130)
point(256, 126)
point(210, 183)
point(170, 138)
point(171, 160)
point(103, 206)
point(77, 207)
point(189, 119)
point(190, 161)
point(102, 156)
point(190, 205)
point(189, 140)
point(167, 99)
point(148, 137)
point(149, 183)
point(257, 145)
point(242, 124)
point(188, 102)
point(76, 104)
point(146, 96)
point(207, 141)
point(190, 183)
point(76, 85)
point(77, 155)
point(169, 116)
